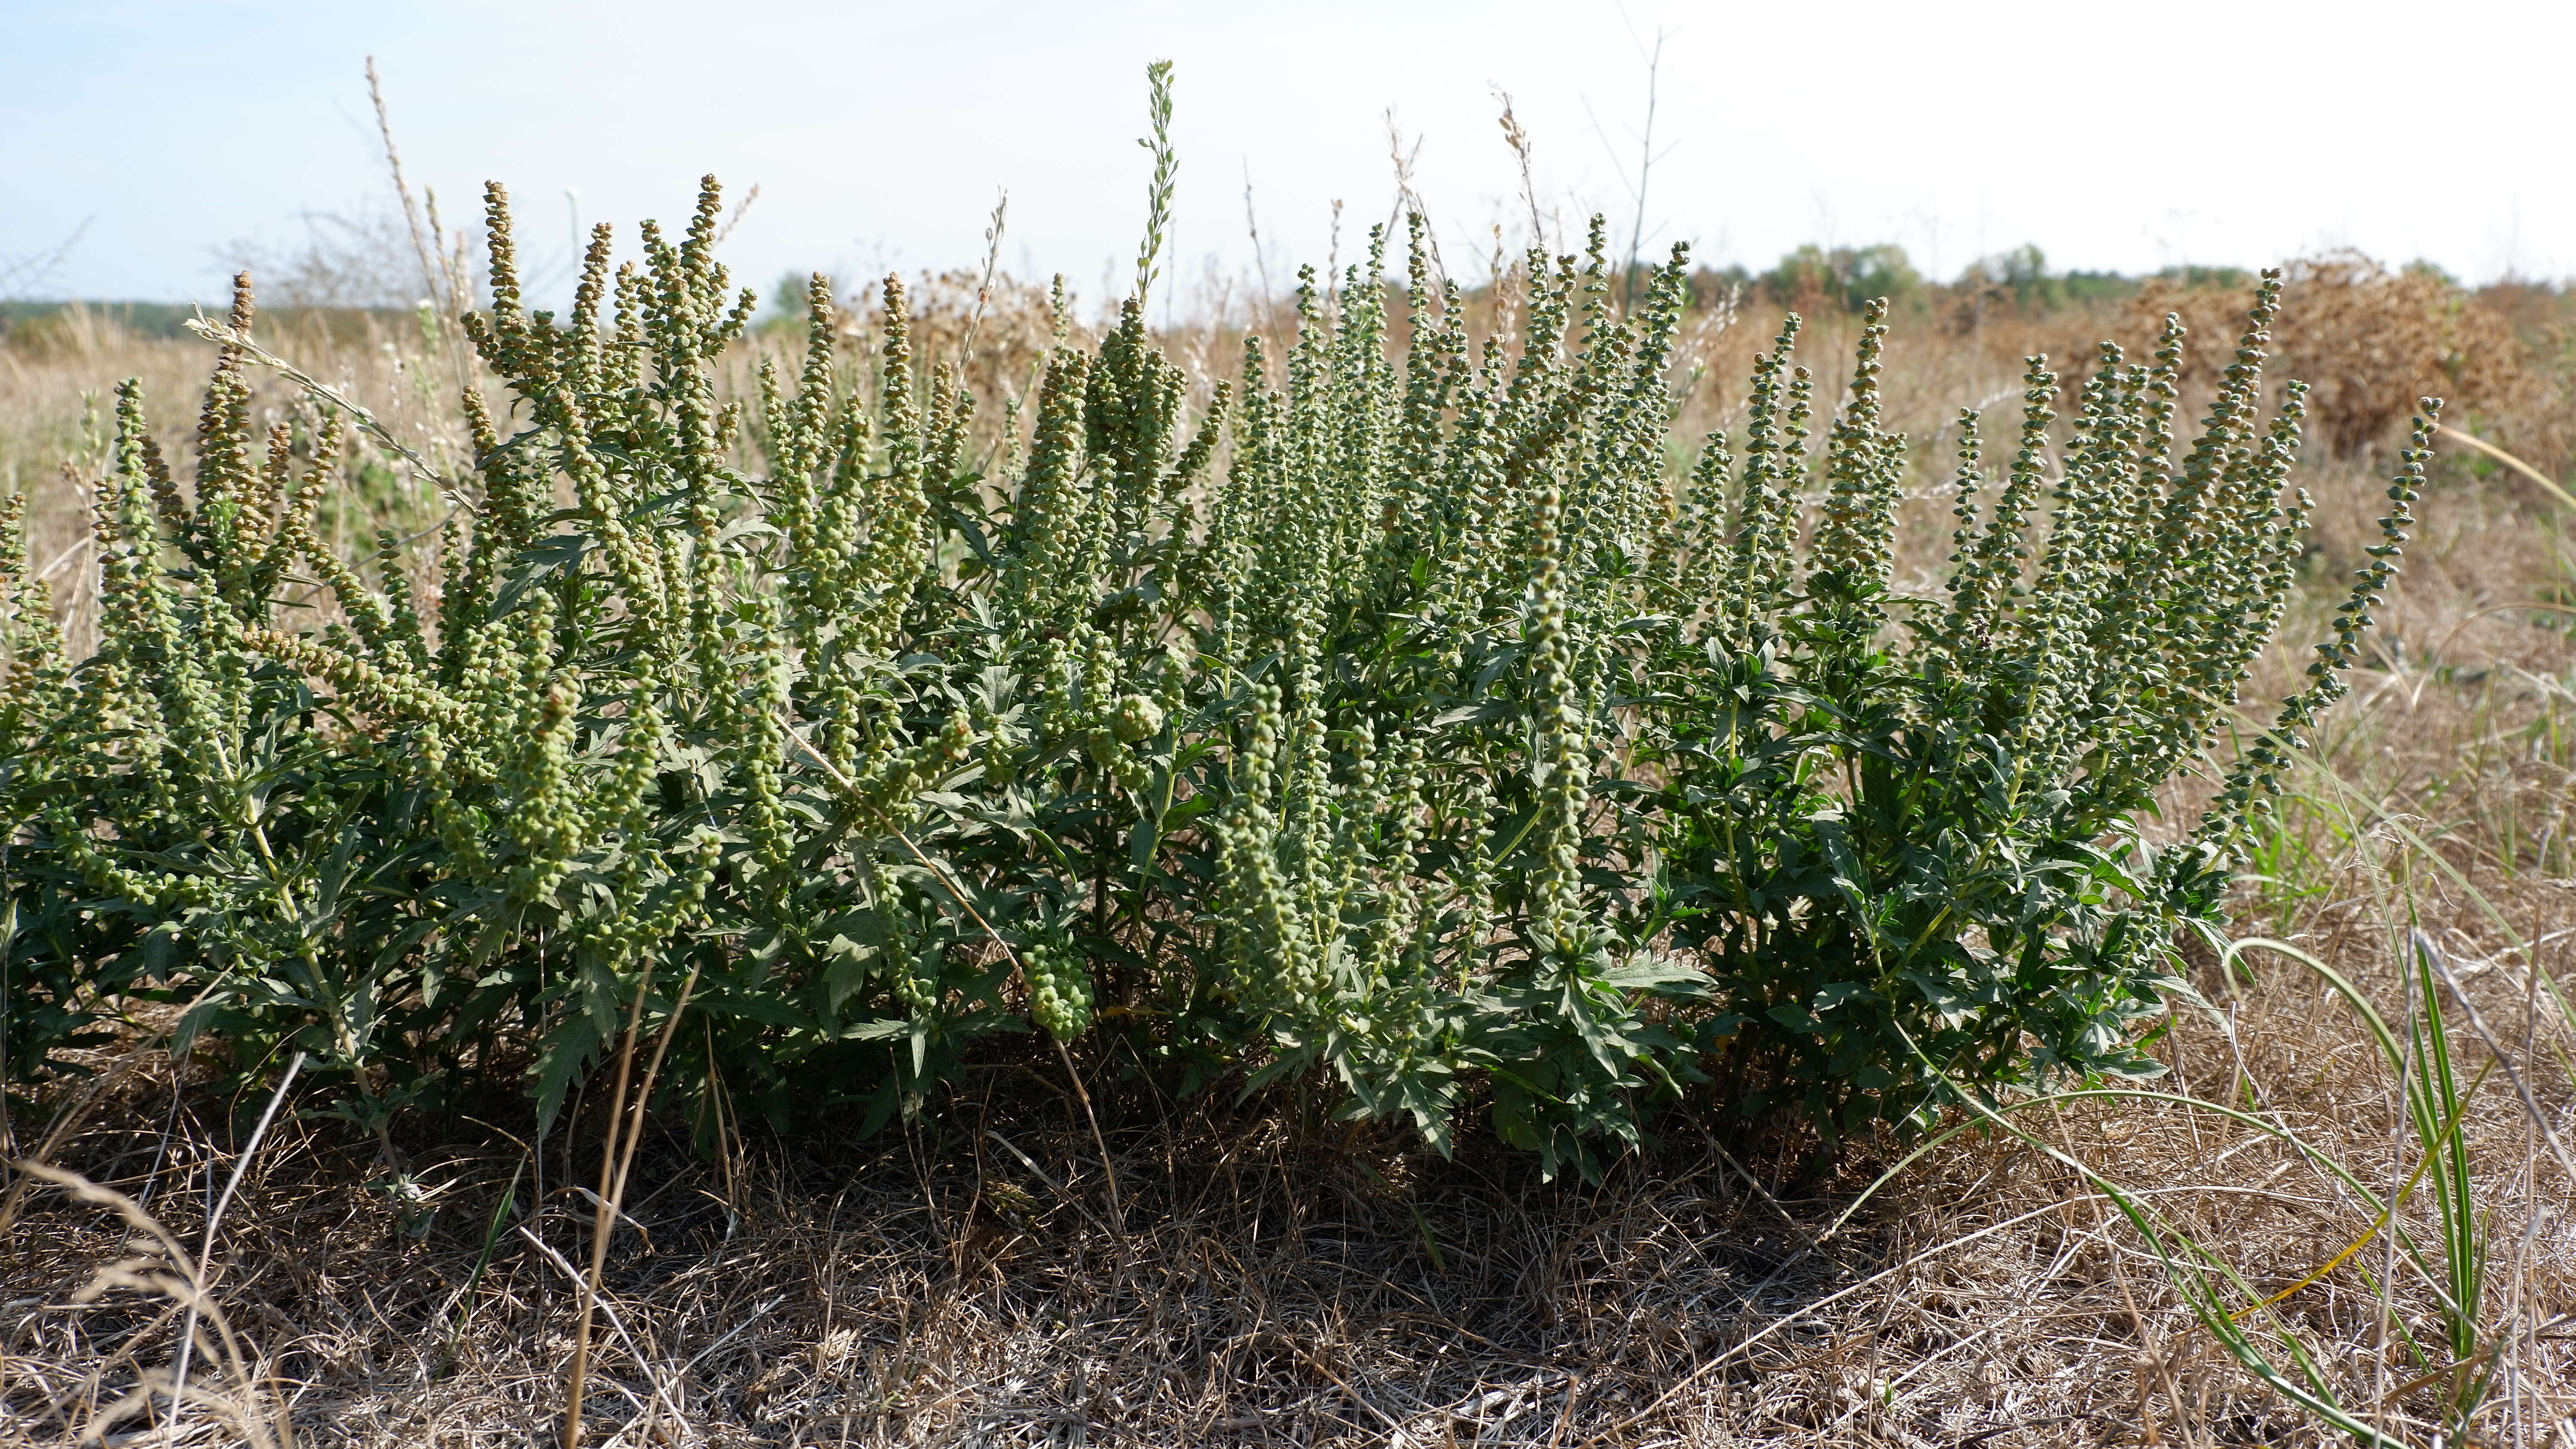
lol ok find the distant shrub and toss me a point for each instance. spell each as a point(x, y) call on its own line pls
point(1390, 719)
point(1845, 278)
point(2021, 278)
point(2370, 341)
point(358, 261)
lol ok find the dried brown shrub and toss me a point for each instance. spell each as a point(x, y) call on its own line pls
point(2370, 341)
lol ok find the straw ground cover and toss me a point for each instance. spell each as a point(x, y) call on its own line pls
point(1258, 1272)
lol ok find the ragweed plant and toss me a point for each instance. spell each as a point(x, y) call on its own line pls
point(1392, 715)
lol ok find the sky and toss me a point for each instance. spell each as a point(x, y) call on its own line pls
point(156, 139)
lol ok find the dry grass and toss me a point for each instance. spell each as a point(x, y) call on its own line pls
point(1279, 1280)
point(1270, 1287)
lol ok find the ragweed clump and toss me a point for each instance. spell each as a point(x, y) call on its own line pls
point(1397, 716)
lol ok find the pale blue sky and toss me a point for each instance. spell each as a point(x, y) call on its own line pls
point(2115, 136)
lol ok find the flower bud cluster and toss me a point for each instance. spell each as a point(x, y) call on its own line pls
point(2255, 778)
point(31, 642)
point(1059, 988)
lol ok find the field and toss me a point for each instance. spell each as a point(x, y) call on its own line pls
point(1086, 1252)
